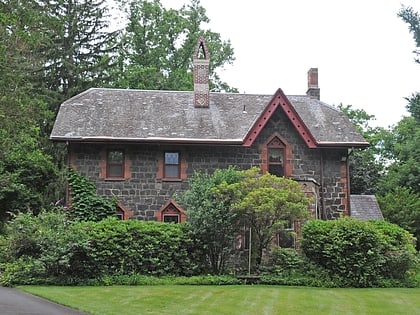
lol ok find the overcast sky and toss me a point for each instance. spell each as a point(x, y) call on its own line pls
point(362, 50)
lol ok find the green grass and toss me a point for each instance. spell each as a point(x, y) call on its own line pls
point(201, 300)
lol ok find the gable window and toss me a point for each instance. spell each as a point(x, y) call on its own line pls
point(276, 161)
point(171, 212)
point(172, 165)
point(276, 155)
point(171, 218)
point(115, 164)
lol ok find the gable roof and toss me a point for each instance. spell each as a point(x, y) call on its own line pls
point(100, 114)
point(365, 207)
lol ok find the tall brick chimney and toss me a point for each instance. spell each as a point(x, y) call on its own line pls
point(313, 88)
point(201, 62)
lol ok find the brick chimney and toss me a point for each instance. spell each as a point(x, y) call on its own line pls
point(201, 62)
point(313, 88)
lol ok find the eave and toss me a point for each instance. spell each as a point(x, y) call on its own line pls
point(280, 100)
point(148, 140)
point(326, 144)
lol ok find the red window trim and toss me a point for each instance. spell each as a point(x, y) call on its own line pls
point(169, 178)
point(287, 154)
point(104, 165)
point(171, 208)
point(183, 165)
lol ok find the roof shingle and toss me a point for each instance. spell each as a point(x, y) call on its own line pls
point(365, 207)
point(141, 115)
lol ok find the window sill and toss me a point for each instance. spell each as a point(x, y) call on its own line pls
point(168, 179)
point(114, 179)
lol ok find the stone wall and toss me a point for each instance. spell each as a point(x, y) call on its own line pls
point(144, 191)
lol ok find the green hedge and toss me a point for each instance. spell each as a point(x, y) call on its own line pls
point(359, 254)
point(48, 247)
point(134, 246)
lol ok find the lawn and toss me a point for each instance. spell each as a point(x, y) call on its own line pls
point(201, 300)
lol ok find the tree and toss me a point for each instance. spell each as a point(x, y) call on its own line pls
point(26, 171)
point(401, 206)
point(404, 152)
point(158, 44)
point(366, 166)
point(399, 188)
point(212, 221)
point(266, 203)
point(79, 50)
point(412, 18)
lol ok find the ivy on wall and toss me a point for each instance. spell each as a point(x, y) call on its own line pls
point(86, 205)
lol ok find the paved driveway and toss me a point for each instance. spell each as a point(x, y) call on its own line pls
point(15, 302)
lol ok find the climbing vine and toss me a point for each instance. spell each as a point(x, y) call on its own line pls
point(86, 205)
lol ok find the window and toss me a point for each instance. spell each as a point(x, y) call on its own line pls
point(276, 156)
point(171, 218)
point(171, 212)
point(115, 164)
point(275, 161)
point(172, 165)
point(286, 236)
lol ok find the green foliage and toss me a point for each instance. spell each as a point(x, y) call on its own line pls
point(404, 152)
point(266, 203)
point(366, 166)
point(212, 222)
point(138, 279)
point(149, 248)
point(26, 173)
point(286, 260)
point(49, 249)
point(402, 206)
point(412, 18)
point(359, 253)
point(37, 247)
point(158, 45)
point(78, 49)
point(85, 204)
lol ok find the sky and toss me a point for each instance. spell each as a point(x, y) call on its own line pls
point(363, 51)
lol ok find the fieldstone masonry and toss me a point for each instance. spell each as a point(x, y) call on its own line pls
point(321, 172)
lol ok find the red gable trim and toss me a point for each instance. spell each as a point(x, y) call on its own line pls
point(171, 207)
point(280, 100)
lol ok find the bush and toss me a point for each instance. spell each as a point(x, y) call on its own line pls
point(284, 261)
point(65, 252)
point(360, 254)
point(148, 248)
point(24, 270)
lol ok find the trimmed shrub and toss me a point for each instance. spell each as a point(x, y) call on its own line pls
point(360, 254)
point(49, 249)
point(126, 247)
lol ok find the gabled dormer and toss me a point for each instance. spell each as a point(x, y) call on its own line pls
point(280, 100)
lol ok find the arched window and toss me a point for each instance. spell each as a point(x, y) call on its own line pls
point(276, 156)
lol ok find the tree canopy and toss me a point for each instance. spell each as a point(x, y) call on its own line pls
point(53, 50)
point(158, 44)
point(267, 204)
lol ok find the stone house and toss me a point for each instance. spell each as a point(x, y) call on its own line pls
point(142, 146)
